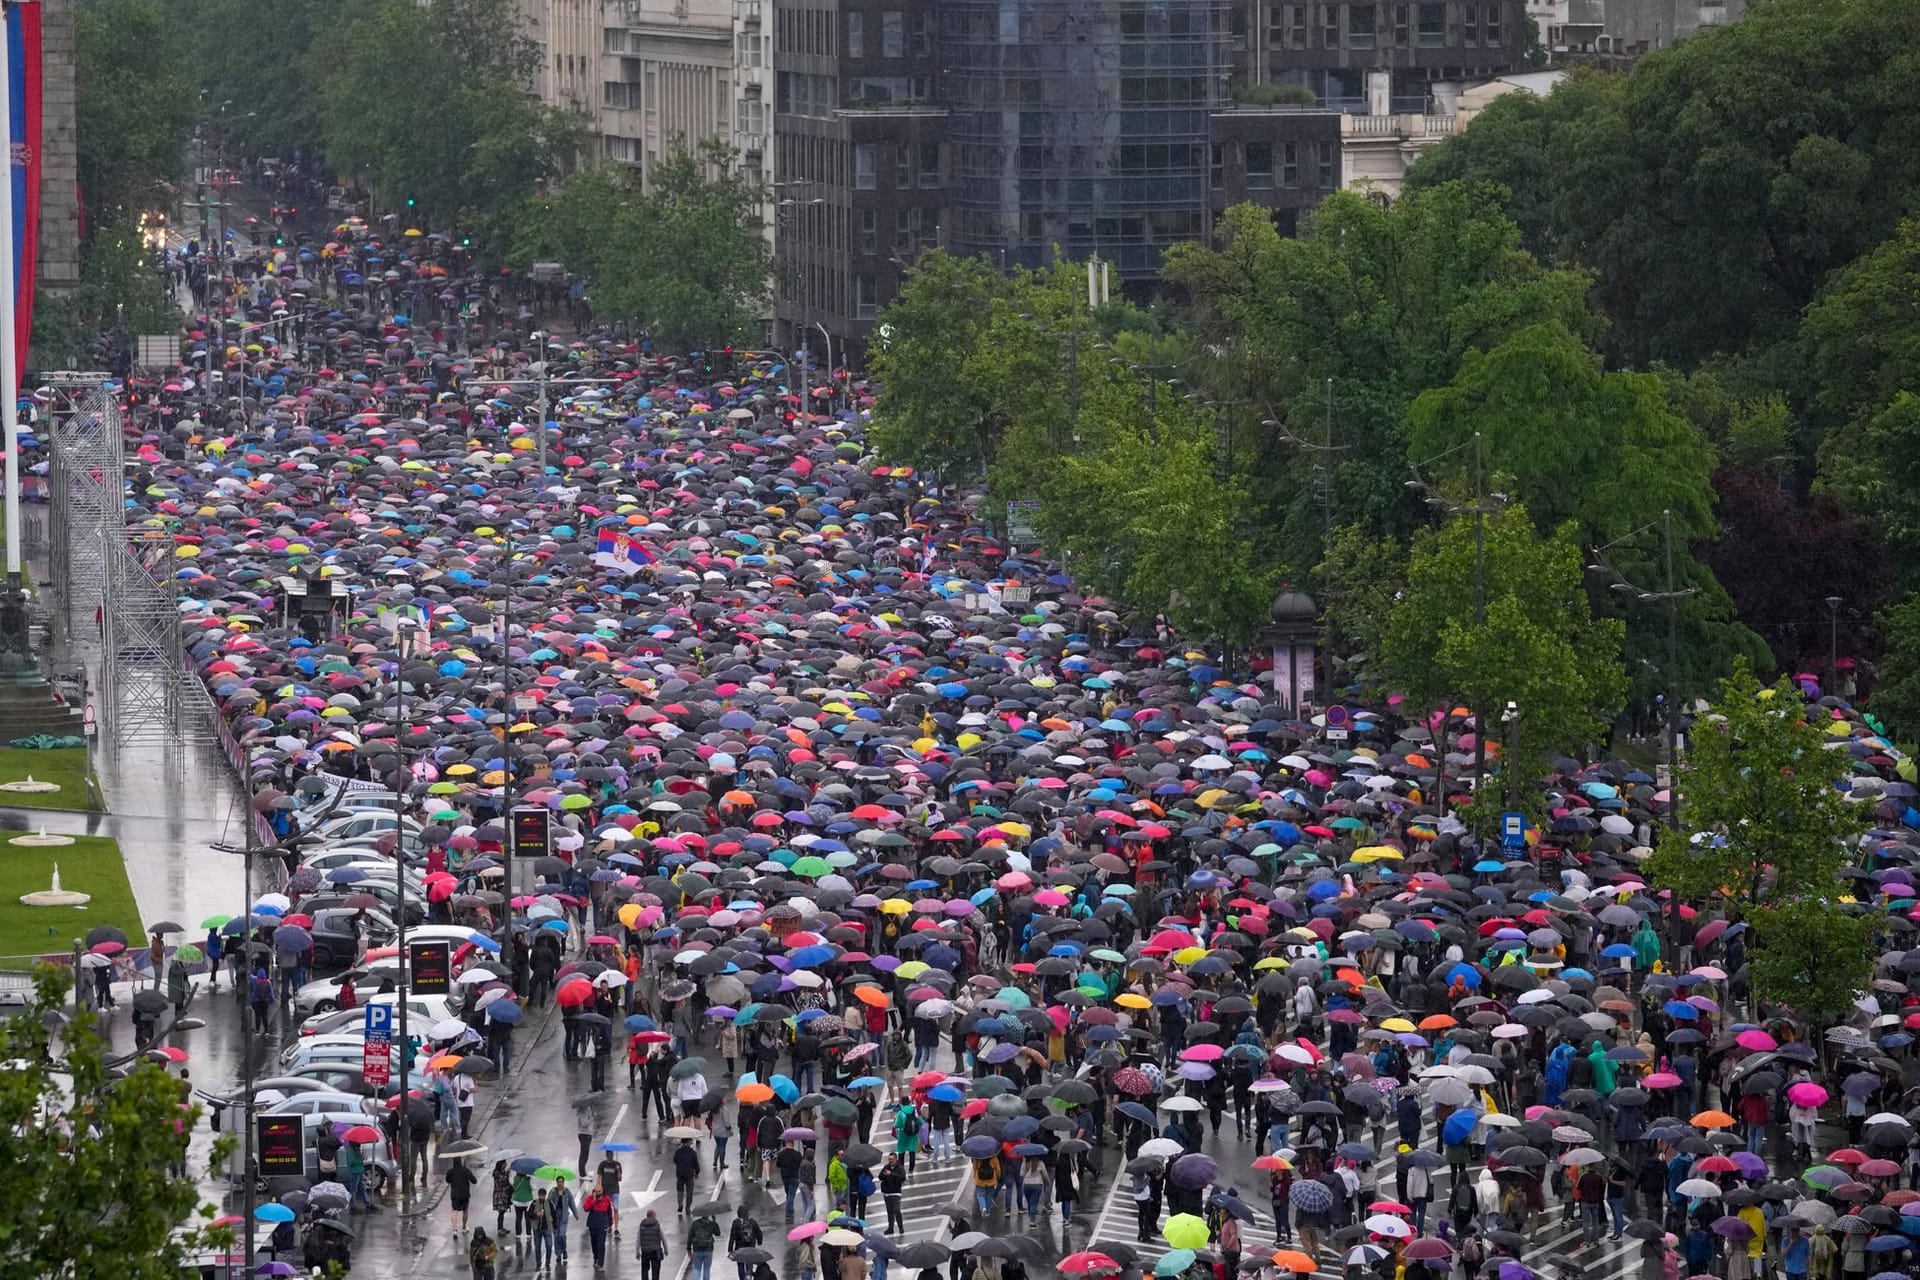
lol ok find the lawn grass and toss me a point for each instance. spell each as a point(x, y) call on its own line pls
point(91, 864)
point(66, 767)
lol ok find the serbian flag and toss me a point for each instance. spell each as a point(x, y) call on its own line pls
point(23, 118)
point(620, 553)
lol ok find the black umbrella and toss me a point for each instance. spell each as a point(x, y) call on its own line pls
point(925, 1253)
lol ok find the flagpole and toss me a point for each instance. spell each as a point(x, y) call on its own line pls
point(9, 326)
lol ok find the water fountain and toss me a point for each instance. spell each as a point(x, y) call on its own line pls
point(56, 896)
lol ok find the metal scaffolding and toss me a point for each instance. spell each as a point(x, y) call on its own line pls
point(86, 485)
point(114, 583)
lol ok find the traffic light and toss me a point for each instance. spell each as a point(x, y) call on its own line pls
point(409, 202)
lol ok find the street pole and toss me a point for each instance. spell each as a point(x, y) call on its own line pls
point(1833, 640)
point(1479, 604)
point(9, 370)
point(541, 365)
point(247, 1041)
point(1673, 669)
point(833, 393)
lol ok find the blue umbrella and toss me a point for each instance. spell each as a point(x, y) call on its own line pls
point(273, 1213)
point(1459, 1126)
point(528, 1164)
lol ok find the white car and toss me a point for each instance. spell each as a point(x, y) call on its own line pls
point(363, 856)
point(368, 823)
point(422, 1012)
point(339, 1106)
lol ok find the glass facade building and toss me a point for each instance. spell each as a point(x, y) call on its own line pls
point(1080, 127)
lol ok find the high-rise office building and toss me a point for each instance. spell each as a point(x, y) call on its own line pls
point(1026, 130)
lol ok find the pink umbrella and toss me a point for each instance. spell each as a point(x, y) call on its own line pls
point(1757, 1040)
point(1662, 1080)
point(1807, 1094)
point(807, 1231)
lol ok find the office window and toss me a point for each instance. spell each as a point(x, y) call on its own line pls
point(1329, 26)
point(1494, 35)
point(863, 297)
point(1217, 166)
point(1289, 164)
point(856, 34)
point(1400, 29)
point(613, 39)
point(1361, 21)
point(1327, 152)
point(903, 228)
point(869, 231)
point(752, 115)
point(619, 95)
point(1470, 23)
point(1433, 23)
point(749, 49)
point(919, 35)
point(1259, 166)
point(893, 38)
point(866, 168)
point(902, 167)
point(930, 164)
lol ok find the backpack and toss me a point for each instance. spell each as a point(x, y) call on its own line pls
point(260, 989)
point(910, 1125)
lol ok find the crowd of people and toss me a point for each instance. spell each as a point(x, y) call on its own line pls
point(879, 848)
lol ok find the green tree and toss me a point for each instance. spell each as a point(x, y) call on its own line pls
point(1514, 146)
point(1606, 454)
point(427, 104)
point(1896, 694)
point(262, 94)
point(1360, 579)
point(134, 107)
point(680, 258)
point(84, 1159)
point(939, 408)
point(1141, 515)
point(1810, 954)
point(1539, 646)
point(1766, 837)
point(1871, 467)
point(1373, 304)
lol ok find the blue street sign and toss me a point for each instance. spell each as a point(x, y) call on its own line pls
point(379, 1022)
point(1513, 830)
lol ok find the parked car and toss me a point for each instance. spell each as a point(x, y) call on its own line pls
point(430, 1008)
point(383, 891)
point(334, 939)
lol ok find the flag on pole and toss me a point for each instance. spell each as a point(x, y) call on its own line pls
point(23, 116)
point(620, 553)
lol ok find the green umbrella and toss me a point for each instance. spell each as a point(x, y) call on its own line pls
point(190, 954)
point(214, 921)
point(1186, 1231)
point(576, 802)
point(553, 1171)
point(811, 866)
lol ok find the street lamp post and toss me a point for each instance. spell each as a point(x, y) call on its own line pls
point(1482, 503)
point(1833, 644)
point(1671, 593)
point(405, 639)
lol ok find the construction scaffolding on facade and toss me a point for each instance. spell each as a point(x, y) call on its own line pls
point(115, 585)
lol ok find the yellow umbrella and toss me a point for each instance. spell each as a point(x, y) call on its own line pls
point(1132, 1000)
point(1397, 1024)
point(1378, 853)
point(1187, 955)
point(896, 906)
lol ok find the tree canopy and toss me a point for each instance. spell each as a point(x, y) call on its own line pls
point(1766, 838)
point(679, 257)
point(85, 1175)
